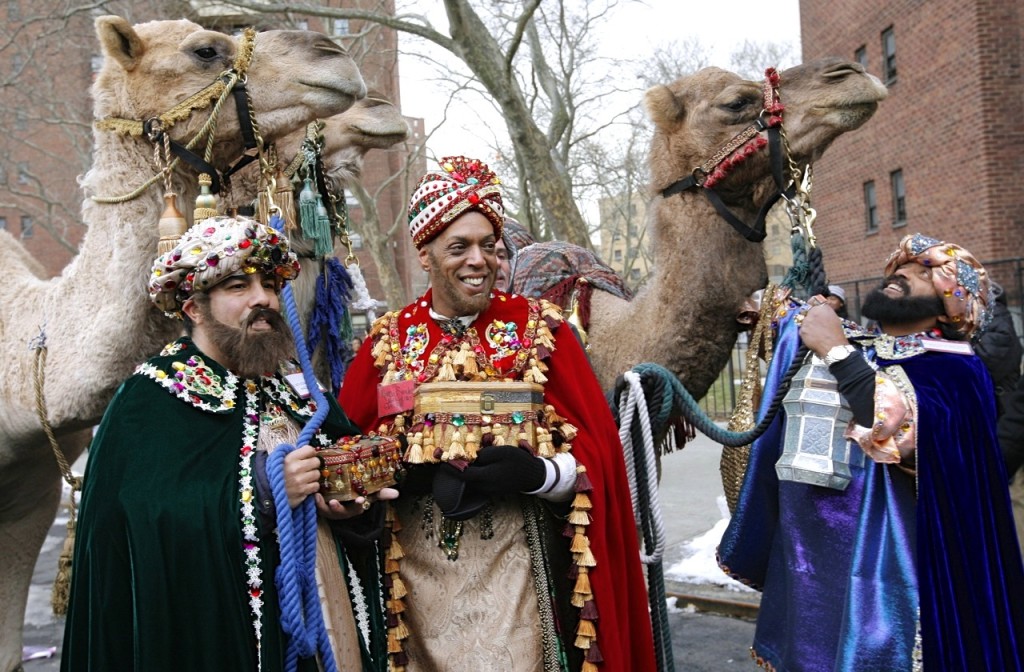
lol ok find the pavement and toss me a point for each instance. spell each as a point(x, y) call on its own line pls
point(711, 625)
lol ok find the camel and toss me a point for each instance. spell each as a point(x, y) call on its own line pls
point(685, 319)
point(96, 316)
point(371, 123)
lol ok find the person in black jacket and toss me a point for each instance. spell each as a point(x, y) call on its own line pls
point(1000, 349)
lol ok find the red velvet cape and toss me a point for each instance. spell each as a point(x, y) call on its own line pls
point(624, 627)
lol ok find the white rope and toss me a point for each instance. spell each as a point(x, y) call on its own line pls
point(363, 300)
point(633, 401)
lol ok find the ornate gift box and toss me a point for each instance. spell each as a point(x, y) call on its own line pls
point(358, 465)
point(452, 419)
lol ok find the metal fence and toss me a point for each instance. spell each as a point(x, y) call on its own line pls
point(721, 399)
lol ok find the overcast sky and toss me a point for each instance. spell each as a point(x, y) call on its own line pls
point(635, 31)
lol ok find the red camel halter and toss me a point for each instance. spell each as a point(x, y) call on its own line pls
point(744, 145)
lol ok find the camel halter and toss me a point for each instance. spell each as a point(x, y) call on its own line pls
point(231, 82)
point(740, 148)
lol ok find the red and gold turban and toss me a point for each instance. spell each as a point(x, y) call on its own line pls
point(440, 197)
point(959, 279)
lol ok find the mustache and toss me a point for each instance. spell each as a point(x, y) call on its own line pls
point(896, 280)
point(271, 316)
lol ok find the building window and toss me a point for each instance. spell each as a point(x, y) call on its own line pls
point(20, 120)
point(26, 226)
point(634, 274)
point(3, 223)
point(340, 28)
point(861, 56)
point(888, 55)
point(13, 10)
point(301, 24)
point(899, 198)
point(23, 176)
point(870, 207)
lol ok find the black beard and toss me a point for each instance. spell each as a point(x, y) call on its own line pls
point(902, 310)
point(252, 353)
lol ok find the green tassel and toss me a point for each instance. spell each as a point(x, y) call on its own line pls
point(307, 210)
point(322, 236)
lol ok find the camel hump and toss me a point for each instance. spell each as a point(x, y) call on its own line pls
point(550, 270)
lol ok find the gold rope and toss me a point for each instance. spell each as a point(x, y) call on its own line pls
point(62, 582)
point(734, 460)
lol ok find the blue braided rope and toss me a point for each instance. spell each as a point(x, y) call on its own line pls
point(301, 617)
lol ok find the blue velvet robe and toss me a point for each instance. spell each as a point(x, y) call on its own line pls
point(851, 578)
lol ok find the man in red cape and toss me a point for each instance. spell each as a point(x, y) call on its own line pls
point(506, 553)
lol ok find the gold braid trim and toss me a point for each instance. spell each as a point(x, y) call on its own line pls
point(396, 592)
point(583, 559)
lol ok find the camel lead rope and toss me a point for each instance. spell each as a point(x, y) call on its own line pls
point(62, 582)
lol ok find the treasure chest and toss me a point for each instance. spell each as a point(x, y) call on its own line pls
point(451, 420)
point(357, 466)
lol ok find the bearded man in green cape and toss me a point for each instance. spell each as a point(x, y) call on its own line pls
point(176, 550)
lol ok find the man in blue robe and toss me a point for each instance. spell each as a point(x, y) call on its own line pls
point(915, 564)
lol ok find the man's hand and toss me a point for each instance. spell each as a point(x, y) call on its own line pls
point(502, 470)
point(301, 474)
point(821, 329)
point(341, 510)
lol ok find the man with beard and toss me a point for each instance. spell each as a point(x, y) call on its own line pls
point(485, 579)
point(176, 550)
point(912, 563)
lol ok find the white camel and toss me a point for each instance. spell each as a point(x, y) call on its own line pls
point(97, 321)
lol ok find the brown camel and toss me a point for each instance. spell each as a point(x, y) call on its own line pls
point(704, 270)
point(371, 123)
point(96, 316)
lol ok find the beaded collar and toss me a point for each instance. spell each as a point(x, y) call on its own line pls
point(889, 347)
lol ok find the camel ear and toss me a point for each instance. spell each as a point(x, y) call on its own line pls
point(119, 41)
point(664, 109)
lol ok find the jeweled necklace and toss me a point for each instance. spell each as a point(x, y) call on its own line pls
point(250, 538)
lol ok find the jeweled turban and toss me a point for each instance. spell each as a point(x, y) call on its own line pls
point(461, 186)
point(212, 251)
point(960, 279)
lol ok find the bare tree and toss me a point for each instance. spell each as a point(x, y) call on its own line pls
point(529, 58)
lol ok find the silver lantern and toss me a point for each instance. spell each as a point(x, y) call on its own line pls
point(815, 451)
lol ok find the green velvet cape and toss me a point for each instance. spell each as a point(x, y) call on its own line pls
point(159, 578)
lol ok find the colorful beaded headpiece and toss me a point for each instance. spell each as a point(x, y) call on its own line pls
point(213, 250)
point(959, 279)
point(440, 197)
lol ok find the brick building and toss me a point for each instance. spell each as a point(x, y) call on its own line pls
point(944, 154)
point(46, 70)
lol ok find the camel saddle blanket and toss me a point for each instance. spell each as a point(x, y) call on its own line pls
point(358, 465)
point(451, 419)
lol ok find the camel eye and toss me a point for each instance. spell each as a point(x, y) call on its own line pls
point(738, 104)
point(206, 53)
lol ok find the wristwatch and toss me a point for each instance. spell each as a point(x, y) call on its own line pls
point(838, 353)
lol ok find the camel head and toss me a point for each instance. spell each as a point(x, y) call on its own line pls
point(697, 115)
point(293, 77)
point(372, 123)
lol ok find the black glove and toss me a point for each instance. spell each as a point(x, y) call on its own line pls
point(455, 500)
point(416, 479)
point(504, 470)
